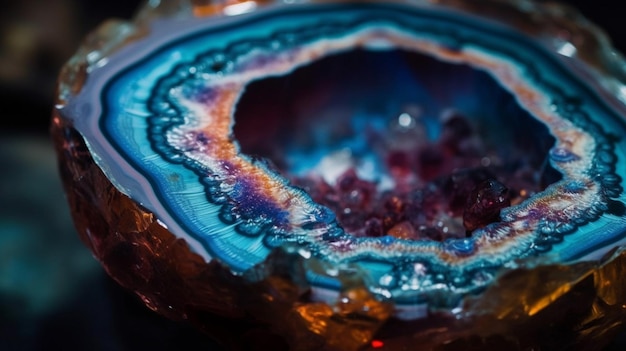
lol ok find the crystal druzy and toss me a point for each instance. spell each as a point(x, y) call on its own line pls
point(420, 146)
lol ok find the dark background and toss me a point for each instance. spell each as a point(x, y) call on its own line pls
point(53, 295)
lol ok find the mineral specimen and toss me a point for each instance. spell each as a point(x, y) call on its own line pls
point(340, 175)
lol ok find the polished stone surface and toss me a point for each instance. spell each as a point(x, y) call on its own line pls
point(125, 235)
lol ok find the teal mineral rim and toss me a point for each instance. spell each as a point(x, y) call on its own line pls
point(128, 106)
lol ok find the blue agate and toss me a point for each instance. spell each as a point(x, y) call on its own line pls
point(289, 126)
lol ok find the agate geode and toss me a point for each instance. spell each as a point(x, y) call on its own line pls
point(343, 173)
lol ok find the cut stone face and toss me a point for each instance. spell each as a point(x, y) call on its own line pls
point(427, 150)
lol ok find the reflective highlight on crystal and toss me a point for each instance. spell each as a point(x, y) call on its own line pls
point(159, 120)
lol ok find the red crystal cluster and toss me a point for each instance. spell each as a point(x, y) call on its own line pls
point(442, 189)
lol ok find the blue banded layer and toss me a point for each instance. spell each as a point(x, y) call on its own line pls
point(158, 119)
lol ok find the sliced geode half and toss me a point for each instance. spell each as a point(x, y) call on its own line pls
point(419, 152)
